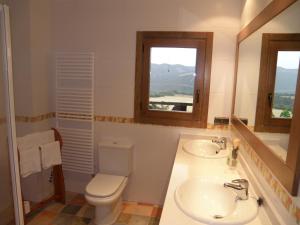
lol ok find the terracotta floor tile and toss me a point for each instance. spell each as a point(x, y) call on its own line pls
point(139, 220)
point(156, 212)
point(63, 219)
point(33, 214)
point(55, 207)
point(78, 212)
point(140, 210)
point(80, 221)
point(43, 218)
point(86, 211)
point(154, 221)
point(71, 209)
point(124, 218)
point(78, 200)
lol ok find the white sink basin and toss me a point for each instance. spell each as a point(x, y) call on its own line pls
point(204, 149)
point(208, 201)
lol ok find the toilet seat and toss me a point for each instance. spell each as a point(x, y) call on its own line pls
point(116, 193)
point(104, 185)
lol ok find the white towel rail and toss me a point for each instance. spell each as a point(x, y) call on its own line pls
point(75, 109)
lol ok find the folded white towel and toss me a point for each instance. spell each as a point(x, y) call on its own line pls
point(46, 137)
point(30, 161)
point(50, 154)
point(35, 139)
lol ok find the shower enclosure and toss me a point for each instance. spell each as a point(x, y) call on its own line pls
point(11, 210)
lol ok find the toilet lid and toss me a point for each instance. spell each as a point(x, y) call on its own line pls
point(104, 185)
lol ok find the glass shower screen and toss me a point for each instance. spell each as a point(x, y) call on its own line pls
point(10, 194)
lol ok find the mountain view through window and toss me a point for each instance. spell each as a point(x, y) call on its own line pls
point(172, 77)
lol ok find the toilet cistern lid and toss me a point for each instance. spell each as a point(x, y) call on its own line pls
point(104, 185)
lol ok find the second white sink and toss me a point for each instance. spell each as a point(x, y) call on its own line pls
point(204, 149)
point(208, 201)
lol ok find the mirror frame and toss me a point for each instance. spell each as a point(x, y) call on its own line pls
point(288, 173)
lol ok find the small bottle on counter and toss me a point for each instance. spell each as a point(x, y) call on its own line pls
point(232, 157)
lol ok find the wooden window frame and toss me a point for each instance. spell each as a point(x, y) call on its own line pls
point(271, 44)
point(199, 40)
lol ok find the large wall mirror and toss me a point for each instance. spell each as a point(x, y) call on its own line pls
point(266, 85)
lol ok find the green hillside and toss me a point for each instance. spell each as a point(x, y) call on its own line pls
point(168, 80)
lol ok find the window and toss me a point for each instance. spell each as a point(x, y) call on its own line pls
point(173, 77)
point(278, 81)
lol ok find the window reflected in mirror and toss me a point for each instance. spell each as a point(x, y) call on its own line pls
point(172, 78)
point(279, 66)
point(285, 84)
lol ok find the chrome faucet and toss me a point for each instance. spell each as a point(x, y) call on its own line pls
point(222, 142)
point(240, 186)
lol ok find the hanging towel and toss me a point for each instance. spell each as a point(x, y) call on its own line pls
point(46, 137)
point(30, 161)
point(35, 139)
point(50, 154)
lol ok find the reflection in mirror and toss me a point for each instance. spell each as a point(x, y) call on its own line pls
point(277, 96)
point(277, 82)
point(172, 78)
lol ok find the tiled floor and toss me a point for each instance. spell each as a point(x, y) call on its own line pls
point(78, 212)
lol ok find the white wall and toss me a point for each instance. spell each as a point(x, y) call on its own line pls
point(108, 28)
point(249, 60)
point(251, 9)
point(32, 60)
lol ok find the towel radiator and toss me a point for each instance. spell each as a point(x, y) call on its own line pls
point(75, 109)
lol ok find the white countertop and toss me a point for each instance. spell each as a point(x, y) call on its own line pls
point(188, 166)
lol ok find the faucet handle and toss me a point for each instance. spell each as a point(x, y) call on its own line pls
point(215, 139)
point(243, 182)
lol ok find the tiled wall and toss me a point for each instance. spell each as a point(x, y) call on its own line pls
point(153, 145)
point(33, 119)
point(98, 118)
point(281, 193)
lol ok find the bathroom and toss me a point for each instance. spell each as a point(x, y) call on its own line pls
point(107, 36)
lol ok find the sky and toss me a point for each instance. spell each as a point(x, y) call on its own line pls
point(183, 56)
point(187, 57)
point(288, 59)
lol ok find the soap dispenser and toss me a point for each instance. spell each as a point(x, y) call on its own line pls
point(232, 157)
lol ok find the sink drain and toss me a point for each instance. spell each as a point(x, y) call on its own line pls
point(218, 217)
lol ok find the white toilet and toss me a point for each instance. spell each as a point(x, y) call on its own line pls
point(105, 190)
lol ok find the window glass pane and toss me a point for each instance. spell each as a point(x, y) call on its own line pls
point(285, 84)
point(172, 77)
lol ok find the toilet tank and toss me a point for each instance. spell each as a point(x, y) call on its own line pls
point(115, 157)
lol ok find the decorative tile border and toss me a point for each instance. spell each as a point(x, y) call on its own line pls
point(113, 119)
point(98, 118)
point(116, 119)
point(285, 198)
point(33, 119)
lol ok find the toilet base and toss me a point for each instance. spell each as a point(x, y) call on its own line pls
point(107, 214)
